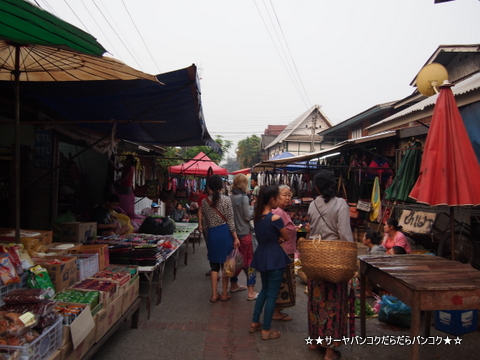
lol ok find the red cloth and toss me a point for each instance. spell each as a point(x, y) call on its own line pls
point(449, 172)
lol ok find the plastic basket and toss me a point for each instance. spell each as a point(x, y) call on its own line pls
point(87, 265)
point(4, 290)
point(40, 349)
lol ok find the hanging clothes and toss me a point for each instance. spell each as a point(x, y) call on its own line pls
point(376, 212)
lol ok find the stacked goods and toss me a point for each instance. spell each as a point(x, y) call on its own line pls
point(69, 312)
point(25, 315)
point(107, 288)
point(77, 296)
point(122, 277)
point(133, 270)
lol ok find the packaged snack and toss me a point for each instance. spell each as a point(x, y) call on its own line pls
point(40, 308)
point(8, 274)
point(11, 250)
point(21, 296)
point(39, 279)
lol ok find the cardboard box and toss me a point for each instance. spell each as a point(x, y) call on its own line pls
point(456, 322)
point(80, 328)
point(131, 293)
point(106, 317)
point(62, 275)
point(8, 235)
point(101, 250)
point(81, 349)
point(57, 355)
point(77, 231)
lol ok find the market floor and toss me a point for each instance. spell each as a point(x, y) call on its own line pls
point(187, 326)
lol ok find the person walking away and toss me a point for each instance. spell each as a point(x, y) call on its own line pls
point(243, 214)
point(288, 289)
point(217, 221)
point(124, 185)
point(269, 258)
point(394, 237)
point(328, 302)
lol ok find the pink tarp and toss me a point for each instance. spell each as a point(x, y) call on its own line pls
point(198, 166)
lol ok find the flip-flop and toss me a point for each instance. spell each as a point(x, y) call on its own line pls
point(285, 317)
point(252, 298)
point(239, 288)
point(215, 299)
point(272, 334)
point(223, 298)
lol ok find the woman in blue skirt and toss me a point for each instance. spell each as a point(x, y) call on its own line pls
point(218, 223)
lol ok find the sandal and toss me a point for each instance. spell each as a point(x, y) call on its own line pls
point(225, 298)
point(252, 298)
point(254, 329)
point(285, 317)
point(239, 288)
point(215, 299)
point(272, 334)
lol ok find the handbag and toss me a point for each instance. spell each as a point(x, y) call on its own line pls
point(364, 205)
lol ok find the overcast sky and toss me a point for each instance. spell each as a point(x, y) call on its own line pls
point(267, 61)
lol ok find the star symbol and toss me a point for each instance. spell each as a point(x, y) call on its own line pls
point(319, 340)
point(309, 340)
point(458, 341)
point(447, 340)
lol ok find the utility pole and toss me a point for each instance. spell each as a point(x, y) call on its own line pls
point(314, 127)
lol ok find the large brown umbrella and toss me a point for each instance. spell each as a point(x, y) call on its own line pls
point(449, 171)
point(38, 46)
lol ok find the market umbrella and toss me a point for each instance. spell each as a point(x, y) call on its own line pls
point(407, 174)
point(34, 43)
point(449, 171)
point(244, 171)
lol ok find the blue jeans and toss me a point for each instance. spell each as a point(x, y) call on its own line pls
point(271, 281)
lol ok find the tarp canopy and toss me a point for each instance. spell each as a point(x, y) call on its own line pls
point(244, 171)
point(167, 113)
point(198, 166)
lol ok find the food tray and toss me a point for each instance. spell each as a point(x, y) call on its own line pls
point(40, 349)
point(87, 265)
point(4, 290)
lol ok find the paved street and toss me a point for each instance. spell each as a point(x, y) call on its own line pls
point(187, 326)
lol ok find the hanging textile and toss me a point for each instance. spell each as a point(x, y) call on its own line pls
point(376, 212)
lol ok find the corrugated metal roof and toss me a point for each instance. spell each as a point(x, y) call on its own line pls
point(466, 86)
point(359, 117)
point(292, 126)
point(271, 164)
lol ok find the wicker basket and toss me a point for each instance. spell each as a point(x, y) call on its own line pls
point(328, 260)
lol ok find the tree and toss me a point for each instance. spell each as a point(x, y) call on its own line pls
point(231, 164)
point(225, 145)
point(248, 151)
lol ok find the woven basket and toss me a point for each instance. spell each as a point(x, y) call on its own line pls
point(328, 260)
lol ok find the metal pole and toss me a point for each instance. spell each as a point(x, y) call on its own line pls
point(17, 143)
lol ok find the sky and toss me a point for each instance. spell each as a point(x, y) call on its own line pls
point(265, 62)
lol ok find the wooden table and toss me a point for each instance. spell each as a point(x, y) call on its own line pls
point(424, 283)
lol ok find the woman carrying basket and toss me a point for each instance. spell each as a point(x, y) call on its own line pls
point(328, 303)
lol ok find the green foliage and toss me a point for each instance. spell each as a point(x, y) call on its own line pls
point(225, 145)
point(248, 151)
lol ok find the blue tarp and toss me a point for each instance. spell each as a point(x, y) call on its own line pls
point(146, 111)
point(302, 165)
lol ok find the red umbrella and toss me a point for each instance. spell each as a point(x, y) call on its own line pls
point(449, 171)
point(241, 171)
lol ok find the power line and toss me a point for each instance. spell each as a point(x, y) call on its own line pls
point(278, 52)
point(121, 40)
point(141, 37)
point(291, 56)
point(295, 79)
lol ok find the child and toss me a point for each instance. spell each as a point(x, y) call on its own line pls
point(372, 241)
